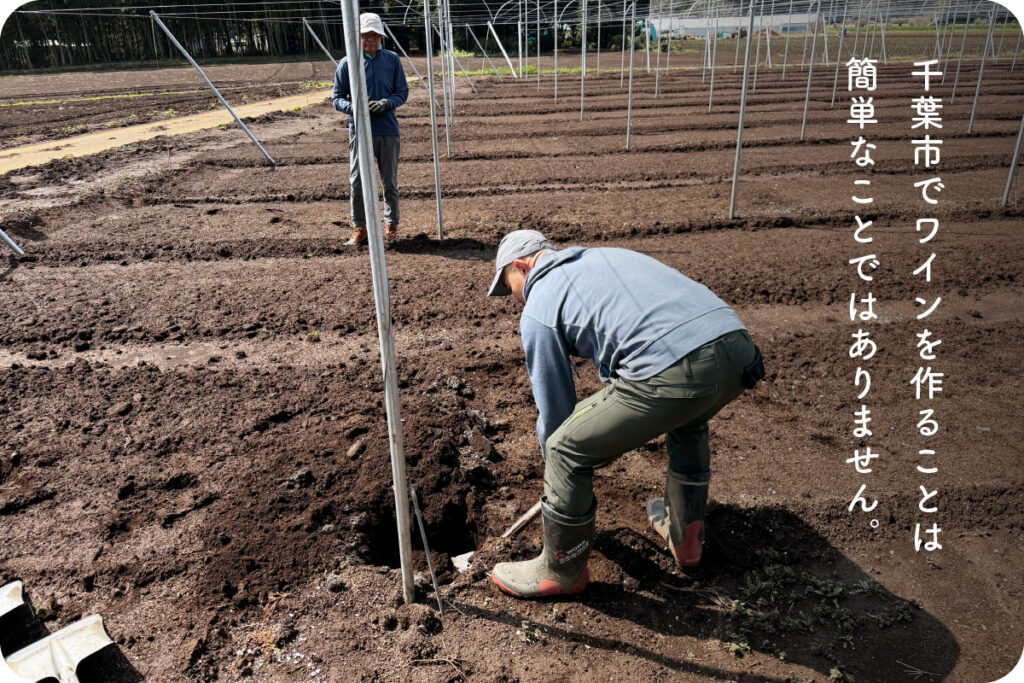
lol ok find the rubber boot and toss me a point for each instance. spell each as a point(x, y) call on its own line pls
point(561, 567)
point(681, 521)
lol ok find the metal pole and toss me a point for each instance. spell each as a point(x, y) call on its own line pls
point(743, 109)
point(803, 57)
point(856, 36)
point(657, 65)
point(622, 62)
point(598, 69)
point(949, 49)
point(583, 55)
point(996, 51)
point(714, 62)
point(1014, 62)
point(19, 252)
point(215, 91)
point(461, 68)
point(500, 46)
point(555, 25)
point(757, 49)
point(839, 58)
point(433, 116)
point(444, 84)
point(519, 35)
point(1013, 163)
point(538, 44)
point(647, 32)
point(408, 59)
point(789, 30)
point(960, 59)
point(810, 72)
point(381, 297)
point(981, 68)
point(739, 31)
point(706, 58)
point(885, 20)
point(629, 103)
point(317, 41)
point(668, 57)
point(477, 41)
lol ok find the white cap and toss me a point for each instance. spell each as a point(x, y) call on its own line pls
point(516, 244)
point(370, 23)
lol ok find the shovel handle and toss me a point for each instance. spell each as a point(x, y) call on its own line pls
point(527, 517)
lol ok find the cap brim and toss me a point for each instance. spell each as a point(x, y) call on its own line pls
point(370, 29)
point(498, 288)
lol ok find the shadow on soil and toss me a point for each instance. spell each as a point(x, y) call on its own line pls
point(769, 583)
point(25, 625)
point(12, 264)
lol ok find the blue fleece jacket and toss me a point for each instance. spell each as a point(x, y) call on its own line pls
point(385, 79)
point(631, 314)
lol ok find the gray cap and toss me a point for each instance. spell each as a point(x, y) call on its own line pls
point(515, 245)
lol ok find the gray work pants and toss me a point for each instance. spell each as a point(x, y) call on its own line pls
point(385, 151)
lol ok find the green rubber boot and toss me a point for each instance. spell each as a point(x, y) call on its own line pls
point(681, 521)
point(561, 567)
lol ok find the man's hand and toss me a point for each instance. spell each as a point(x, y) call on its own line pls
point(379, 107)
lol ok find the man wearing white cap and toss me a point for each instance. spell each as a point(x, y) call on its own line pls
point(672, 354)
point(386, 90)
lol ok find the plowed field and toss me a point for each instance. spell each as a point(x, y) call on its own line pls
point(193, 441)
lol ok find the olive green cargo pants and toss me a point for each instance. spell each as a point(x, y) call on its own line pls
point(677, 402)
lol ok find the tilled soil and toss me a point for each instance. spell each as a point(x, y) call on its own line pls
point(194, 441)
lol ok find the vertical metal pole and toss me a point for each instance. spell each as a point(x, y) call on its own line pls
point(598, 69)
point(433, 116)
point(743, 109)
point(647, 32)
point(19, 252)
point(451, 52)
point(706, 57)
point(803, 57)
point(1014, 62)
point(317, 41)
point(885, 20)
point(216, 92)
point(789, 30)
point(657, 66)
point(1013, 163)
point(444, 82)
point(583, 56)
point(382, 300)
point(714, 62)
point(839, 58)
point(981, 68)
point(960, 59)
point(538, 44)
point(668, 57)
point(757, 49)
point(810, 72)
point(519, 29)
point(522, 37)
point(739, 32)
point(622, 62)
point(555, 25)
point(500, 46)
point(477, 41)
point(629, 102)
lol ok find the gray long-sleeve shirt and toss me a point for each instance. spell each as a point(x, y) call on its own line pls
point(633, 315)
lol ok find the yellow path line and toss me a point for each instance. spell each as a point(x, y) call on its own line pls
point(92, 143)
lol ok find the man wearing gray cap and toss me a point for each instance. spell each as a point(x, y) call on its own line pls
point(672, 354)
point(386, 90)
